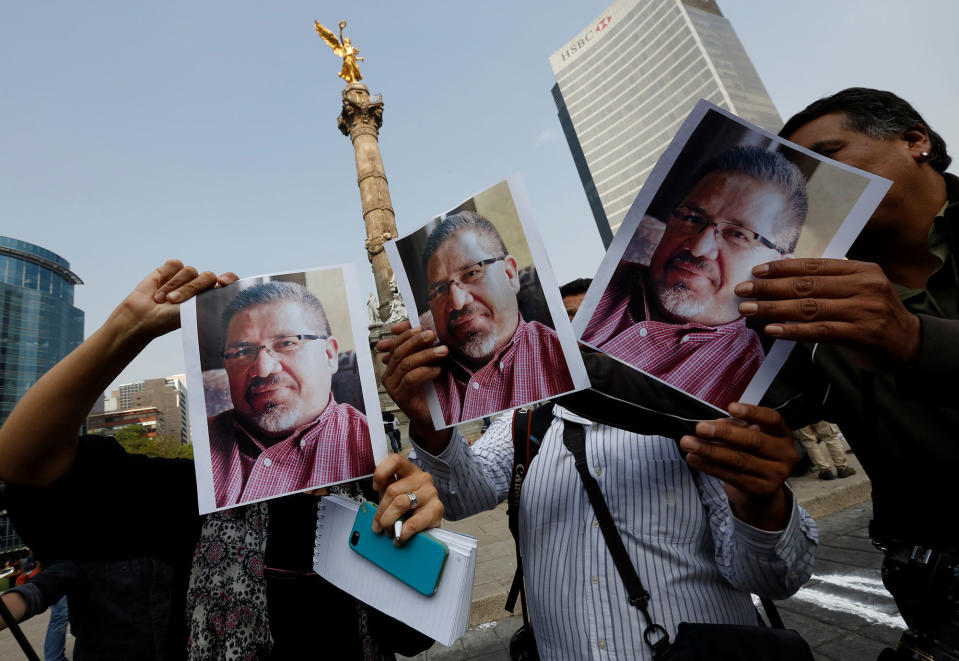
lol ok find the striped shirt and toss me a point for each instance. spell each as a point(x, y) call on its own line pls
point(529, 368)
point(713, 363)
point(697, 560)
point(333, 448)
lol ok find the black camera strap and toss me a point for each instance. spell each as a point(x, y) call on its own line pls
point(574, 438)
point(656, 637)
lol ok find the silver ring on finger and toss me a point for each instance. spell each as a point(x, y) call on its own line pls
point(413, 503)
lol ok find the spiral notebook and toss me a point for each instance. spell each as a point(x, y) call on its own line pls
point(443, 616)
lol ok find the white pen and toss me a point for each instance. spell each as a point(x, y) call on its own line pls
point(398, 524)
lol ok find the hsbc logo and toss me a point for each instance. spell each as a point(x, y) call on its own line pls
point(584, 40)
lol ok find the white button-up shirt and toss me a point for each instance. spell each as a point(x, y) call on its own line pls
point(697, 560)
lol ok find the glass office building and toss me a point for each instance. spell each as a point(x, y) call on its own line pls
point(38, 323)
point(627, 81)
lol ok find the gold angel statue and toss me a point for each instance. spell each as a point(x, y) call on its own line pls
point(342, 48)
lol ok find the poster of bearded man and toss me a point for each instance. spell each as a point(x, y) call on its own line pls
point(724, 198)
point(281, 386)
point(479, 278)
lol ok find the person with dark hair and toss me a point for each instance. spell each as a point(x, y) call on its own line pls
point(285, 431)
point(879, 345)
point(678, 318)
point(242, 585)
point(491, 358)
point(573, 293)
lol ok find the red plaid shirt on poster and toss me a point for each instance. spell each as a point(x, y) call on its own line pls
point(713, 363)
point(529, 368)
point(333, 448)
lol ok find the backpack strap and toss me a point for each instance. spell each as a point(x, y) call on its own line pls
point(529, 427)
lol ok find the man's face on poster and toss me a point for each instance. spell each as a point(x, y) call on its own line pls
point(713, 239)
point(472, 291)
point(279, 365)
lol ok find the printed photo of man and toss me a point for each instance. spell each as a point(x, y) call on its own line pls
point(285, 432)
point(678, 318)
point(497, 360)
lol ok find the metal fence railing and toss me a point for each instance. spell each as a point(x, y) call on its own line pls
point(9, 540)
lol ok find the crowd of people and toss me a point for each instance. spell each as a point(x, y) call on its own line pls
point(706, 515)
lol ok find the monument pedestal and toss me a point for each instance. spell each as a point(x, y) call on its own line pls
point(380, 331)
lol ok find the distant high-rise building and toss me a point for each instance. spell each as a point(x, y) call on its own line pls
point(627, 81)
point(168, 396)
point(125, 394)
point(38, 323)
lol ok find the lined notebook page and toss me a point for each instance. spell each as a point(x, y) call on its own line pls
point(442, 616)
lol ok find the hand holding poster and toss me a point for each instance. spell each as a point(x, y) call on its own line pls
point(478, 276)
point(281, 385)
point(724, 198)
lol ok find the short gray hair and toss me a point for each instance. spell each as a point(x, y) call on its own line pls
point(278, 291)
point(773, 168)
point(459, 221)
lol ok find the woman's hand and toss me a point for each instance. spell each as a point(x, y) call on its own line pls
point(395, 478)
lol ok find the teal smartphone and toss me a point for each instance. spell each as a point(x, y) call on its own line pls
point(418, 563)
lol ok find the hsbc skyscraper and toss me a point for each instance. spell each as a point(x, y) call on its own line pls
point(625, 83)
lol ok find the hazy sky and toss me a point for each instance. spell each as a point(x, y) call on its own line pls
point(131, 132)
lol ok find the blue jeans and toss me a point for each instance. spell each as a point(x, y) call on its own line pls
point(54, 644)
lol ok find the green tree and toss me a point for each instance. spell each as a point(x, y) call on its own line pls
point(134, 438)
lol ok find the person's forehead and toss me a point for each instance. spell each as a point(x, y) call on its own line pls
point(735, 193)
point(825, 128)
point(465, 247)
point(270, 319)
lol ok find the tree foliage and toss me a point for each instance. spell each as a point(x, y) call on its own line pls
point(134, 438)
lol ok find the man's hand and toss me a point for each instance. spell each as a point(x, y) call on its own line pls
point(411, 362)
point(151, 309)
point(395, 503)
point(753, 455)
point(836, 301)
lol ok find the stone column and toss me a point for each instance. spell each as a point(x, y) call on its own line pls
point(361, 119)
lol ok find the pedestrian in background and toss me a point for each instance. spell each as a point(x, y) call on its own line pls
point(824, 434)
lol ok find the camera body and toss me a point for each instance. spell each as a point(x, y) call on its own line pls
point(925, 585)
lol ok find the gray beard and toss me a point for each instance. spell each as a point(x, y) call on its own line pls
point(679, 302)
point(276, 419)
point(478, 346)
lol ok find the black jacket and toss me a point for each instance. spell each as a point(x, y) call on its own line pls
point(903, 425)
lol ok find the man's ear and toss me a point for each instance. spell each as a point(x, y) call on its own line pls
point(512, 272)
point(332, 353)
point(917, 138)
